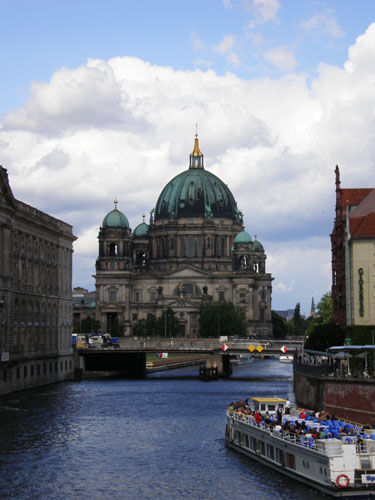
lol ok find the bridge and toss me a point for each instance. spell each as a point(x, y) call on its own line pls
point(129, 358)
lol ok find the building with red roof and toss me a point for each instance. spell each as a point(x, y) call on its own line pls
point(353, 256)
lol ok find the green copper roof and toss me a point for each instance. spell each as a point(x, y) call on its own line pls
point(196, 193)
point(115, 218)
point(141, 230)
point(257, 246)
point(242, 237)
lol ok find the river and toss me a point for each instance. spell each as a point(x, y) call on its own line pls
point(161, 438)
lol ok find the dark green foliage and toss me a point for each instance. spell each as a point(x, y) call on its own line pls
point(361, 335)
point(222, 318)
point(279, 326)
point(88, 325)
point(298, 326)
point(324, 335)
point(117, 329)
point(167, 325)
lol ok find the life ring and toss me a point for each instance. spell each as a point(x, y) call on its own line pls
point(339, 483)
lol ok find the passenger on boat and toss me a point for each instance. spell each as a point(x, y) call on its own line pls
point(258, 417)
point(302, 414)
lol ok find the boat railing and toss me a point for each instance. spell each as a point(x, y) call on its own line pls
point(329, 447)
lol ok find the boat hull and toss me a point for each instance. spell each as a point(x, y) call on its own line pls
point(336, 493)
point(302, 462)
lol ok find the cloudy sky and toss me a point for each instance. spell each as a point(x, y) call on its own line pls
point(100, 99)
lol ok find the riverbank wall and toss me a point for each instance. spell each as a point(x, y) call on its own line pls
point(345, 397)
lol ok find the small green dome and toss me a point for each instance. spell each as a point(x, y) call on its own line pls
point(242, 237)
point(141, 230)
point(115, 218)
point(257, 246)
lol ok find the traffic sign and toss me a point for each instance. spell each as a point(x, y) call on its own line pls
point(224, 347)
point(283, 349)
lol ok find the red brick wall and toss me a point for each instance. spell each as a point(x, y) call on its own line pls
point(351, 399)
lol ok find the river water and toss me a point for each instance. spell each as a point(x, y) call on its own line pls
point(159, 438)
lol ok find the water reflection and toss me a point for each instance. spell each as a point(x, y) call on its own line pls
point(123, 439)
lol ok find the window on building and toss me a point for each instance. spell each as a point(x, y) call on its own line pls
point(135, 316)
point(261, 315)
point(137, 296)
point(153, 296)
point(221, 296)
point(112, 296)
point(242, 298)
point(194, 319)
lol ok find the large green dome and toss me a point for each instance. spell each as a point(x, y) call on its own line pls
point(196, 193)
point(115, 218)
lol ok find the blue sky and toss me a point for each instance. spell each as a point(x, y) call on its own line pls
point(100, 99)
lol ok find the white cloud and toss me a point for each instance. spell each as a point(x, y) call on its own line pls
point(227, 4)
point(323, 23)
point(263, 10)
point(226, 44)
point(281, 57)
point(125, 127)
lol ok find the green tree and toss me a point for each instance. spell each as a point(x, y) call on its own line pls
point(145, 327)
point(117, 329)
point(88, 325)
point(324, 335)
point(168, 324)
point(324, 308)
point(222, 318)
point(279, 326)
point(297, 314)
point(298, 325)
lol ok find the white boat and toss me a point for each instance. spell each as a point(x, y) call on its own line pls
point(286, 358)
point(339, 466)
point(242, 359)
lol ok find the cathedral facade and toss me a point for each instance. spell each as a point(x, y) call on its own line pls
point(194, 249)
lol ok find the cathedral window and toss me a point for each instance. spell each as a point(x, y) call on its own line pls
point(242, 298)
point(191, 246)
point(221, 296)
point(137, 296)
point(112, 296)
point(113, 249)
point(182, 243)
point(153, 296)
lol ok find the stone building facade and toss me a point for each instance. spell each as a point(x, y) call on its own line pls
point(35, 294)
point(194, 248)
point(353, 256)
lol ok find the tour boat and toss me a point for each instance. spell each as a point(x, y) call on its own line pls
point(242, 359)
point(341, 466)
point(286, 358)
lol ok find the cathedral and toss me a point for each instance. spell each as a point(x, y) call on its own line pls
point(194, 249)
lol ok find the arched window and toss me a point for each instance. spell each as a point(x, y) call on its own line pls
point(113, 249)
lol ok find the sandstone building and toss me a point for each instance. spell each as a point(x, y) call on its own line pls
point(193, 249)
point(353, 256)
point(35, 294)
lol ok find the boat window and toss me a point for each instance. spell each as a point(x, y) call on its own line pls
point(263, 407)
point(270, 452)
point(271, 407)
point(246, 440)
point(253, 443)
point(262, 448)
point(290, 461)
point(280, 456)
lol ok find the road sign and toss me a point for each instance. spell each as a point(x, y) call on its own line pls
point(251, 348)
point(224, 347)
point(259, 348)
point(283, 349)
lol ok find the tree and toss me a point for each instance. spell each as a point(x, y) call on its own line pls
point(324, 335)
point(168, 324)
point(324, 308)
point(297, 326)
point(117, 328)
point(279, 326)
point(222, 318)
point(297, 314)
point(88, 325)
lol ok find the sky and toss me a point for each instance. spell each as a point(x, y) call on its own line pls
point(99, 100)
